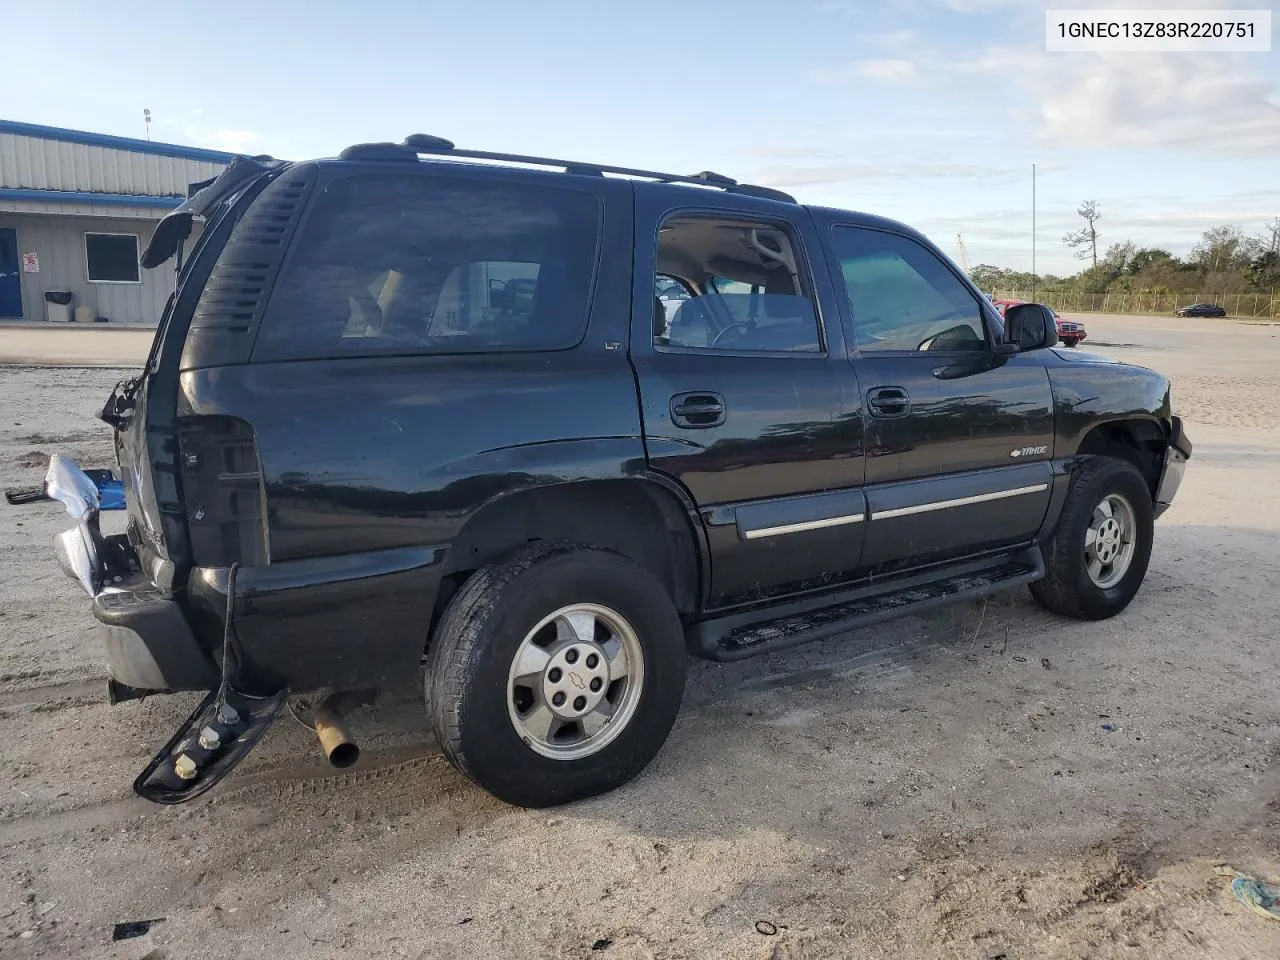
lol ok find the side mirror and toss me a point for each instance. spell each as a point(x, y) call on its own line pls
point(1031, 326)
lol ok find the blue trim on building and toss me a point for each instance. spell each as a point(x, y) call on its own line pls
point(78, 196)
point(66, 135)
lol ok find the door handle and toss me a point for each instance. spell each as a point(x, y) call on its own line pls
point(888, 402)
point(697, 410)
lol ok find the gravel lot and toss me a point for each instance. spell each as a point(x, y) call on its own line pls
point(987, 781)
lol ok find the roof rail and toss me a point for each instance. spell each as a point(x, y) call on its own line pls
point(421, 143)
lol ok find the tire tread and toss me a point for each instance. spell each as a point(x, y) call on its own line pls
point(462, 652)
point(1057, 591)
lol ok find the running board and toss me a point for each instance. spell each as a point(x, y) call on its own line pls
point(742, 635)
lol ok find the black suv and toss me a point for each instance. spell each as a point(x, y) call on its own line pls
point(1200, 310)
point(421, 402)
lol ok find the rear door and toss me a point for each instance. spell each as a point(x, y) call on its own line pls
point(748, 400)
point(959, 440)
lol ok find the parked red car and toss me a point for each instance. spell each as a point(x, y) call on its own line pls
point(1070, 332)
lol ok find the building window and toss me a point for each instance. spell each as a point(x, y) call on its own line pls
point(111, 257)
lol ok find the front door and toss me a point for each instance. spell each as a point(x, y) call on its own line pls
point(747, 397)
point(10, 274)
point(959, 440)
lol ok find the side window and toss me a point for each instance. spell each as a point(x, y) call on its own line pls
point(745, 287)
point(902, 297)
point(415, 264)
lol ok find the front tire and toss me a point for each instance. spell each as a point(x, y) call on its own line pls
point(556, 674)
point(1070, 341)
point(1097, 557)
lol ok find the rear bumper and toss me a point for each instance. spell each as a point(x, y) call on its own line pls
point(1176, 456)
point(355, 621)
point(148, 642)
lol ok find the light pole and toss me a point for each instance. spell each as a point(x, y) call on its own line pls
point(1035, 279)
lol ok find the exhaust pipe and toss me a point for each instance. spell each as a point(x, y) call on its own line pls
point(339, 748)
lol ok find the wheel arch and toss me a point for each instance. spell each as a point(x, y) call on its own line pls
point(1139, 440)
point(642, 519)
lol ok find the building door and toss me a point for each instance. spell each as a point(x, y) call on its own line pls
point(10, 274)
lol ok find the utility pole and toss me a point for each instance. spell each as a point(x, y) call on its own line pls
point(1035, 280)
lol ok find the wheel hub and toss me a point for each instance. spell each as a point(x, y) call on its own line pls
point(1109, 541)
point(575, 680)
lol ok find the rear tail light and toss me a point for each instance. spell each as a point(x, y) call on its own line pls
point(223, 493)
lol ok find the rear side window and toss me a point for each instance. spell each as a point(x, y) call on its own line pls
point(745, 287)
point(412, 264)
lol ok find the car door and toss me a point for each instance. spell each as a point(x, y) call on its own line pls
point(959, 437)
point(747, 398)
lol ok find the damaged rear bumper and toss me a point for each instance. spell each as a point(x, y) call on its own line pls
point(336, 626)
point(149, 644)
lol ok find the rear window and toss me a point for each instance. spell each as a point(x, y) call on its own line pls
point(411, 264)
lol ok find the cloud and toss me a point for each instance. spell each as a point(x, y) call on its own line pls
point(1205, 103)
point(887, 71)
point(233, 141)
point(927, 7)
point(1003, 236)
point(890, 38)
point(896, 71)
point(787, 151)
point(901, 172)
point(978, 6)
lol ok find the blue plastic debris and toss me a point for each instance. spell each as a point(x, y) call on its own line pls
point(1260, 897)
point(110, 490)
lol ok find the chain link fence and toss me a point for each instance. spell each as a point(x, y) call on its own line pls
point(1243, 306)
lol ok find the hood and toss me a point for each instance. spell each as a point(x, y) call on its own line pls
point(1083, 356)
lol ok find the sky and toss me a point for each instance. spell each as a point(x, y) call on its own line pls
point(931, 112)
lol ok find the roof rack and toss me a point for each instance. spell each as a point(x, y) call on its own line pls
point(421, 143)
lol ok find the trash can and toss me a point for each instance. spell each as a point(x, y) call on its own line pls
point(57, 306)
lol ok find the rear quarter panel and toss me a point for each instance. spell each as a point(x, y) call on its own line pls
point(377, 453)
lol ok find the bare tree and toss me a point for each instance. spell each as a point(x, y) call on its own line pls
point(1271, 236)
point(1085, 240)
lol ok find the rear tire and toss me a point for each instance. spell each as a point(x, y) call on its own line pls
point(1097, 557)
point(556, 674)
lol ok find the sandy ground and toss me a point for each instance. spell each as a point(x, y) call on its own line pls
point(988, 781)
point(74, 344)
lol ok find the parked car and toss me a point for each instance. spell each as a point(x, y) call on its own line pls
point(1070, 332)
point(341, 458)
point(1200, 310)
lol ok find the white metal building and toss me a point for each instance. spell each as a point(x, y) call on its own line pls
point(77, 209)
